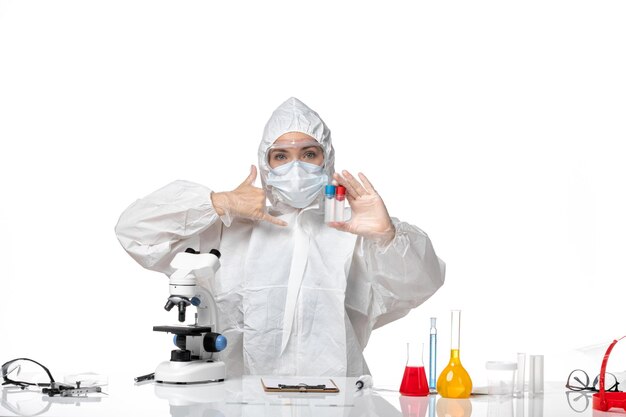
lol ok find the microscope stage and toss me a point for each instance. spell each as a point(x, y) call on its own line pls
point(183, 330)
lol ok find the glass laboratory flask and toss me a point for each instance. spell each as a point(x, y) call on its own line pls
point(454, 381)
point(414, 382)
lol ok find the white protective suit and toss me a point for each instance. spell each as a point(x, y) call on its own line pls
point(342, 285)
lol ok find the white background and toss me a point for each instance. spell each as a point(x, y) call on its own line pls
point(496, 127)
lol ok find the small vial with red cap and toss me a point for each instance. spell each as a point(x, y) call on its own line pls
point(340, 203)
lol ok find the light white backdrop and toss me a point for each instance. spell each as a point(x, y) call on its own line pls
point(496, 127)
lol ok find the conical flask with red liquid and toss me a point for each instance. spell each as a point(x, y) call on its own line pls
point(414, 382)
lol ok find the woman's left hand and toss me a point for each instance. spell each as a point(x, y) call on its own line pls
point(369, 214)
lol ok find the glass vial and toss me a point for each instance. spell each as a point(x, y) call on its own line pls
point(520, 376)
point(535, 375)
point(340, 203)
point(329, 204)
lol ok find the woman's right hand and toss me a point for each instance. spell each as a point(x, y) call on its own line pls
point(245, 201)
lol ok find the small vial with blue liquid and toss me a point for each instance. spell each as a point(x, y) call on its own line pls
point(432, 368)
point(329, 203)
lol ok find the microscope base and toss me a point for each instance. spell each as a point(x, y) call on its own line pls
point(193, 372)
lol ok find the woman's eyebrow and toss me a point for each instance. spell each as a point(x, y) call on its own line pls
point(310, 147)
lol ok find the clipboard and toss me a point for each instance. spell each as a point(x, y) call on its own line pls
point(318, 385)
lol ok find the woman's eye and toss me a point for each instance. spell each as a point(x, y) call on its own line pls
point(310, 155)
point(280, 156)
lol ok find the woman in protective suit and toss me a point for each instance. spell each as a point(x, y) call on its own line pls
point(295, 295)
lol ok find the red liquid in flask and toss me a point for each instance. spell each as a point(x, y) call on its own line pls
point(414, 382)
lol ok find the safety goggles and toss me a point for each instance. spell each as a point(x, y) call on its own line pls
point(578, 380)
point(24, 372)
point(604, 400)
point(305, 151)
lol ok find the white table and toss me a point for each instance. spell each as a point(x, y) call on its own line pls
point(245, 397)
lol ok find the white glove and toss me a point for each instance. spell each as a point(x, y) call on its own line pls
point(369, 214)
point(245, 201)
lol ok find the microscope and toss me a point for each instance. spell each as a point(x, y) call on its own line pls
point(192, 362)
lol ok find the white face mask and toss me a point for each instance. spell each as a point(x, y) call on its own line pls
point(297, 183)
